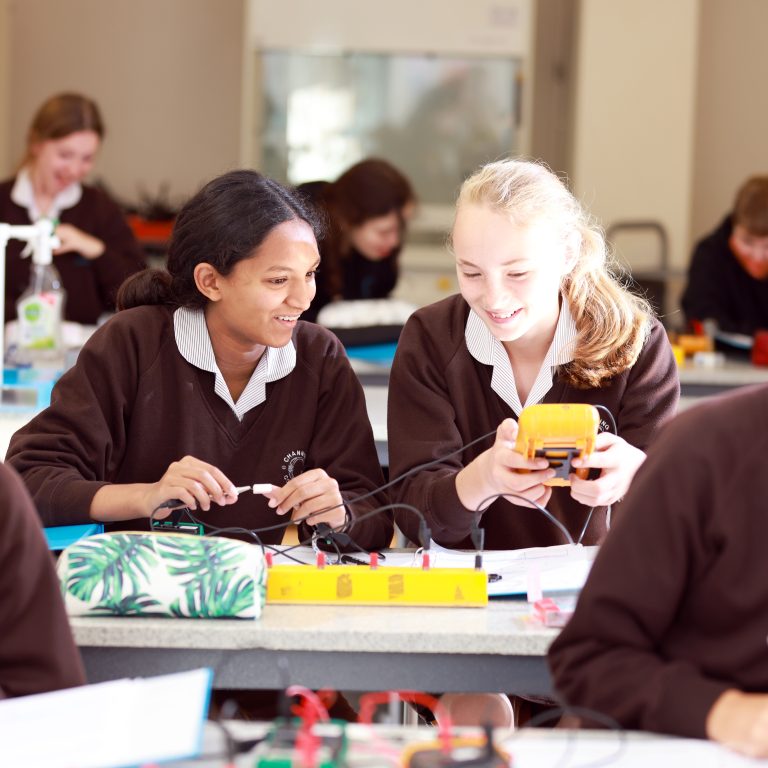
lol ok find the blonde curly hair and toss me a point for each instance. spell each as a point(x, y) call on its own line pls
point(612, 324)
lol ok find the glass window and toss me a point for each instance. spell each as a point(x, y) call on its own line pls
point(435, 117)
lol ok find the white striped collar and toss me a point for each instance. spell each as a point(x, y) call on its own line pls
point(24, 196)
point(194, 344)
point(487, 349)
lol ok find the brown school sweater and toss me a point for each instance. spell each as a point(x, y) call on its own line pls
point(91, 284)
point(675, 610)
point(440, 398)
point(37, 652)
point(132, 405)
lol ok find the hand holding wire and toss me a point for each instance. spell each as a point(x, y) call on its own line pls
point(257, 488)
point(494, 472)
point(313, 495)
point(193, 484)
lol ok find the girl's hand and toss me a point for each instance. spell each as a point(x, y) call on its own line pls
point(74, 239)
point(618, 462)
point(311, 493)
point(495, 472)
point(195, 483)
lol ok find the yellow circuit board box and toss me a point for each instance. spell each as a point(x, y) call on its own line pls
point(383, 585)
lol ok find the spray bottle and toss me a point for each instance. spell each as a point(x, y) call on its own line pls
point(41, 307)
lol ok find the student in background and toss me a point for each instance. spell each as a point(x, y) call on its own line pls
point(208, 380)
point(367, 209)
point(98, 250)
point(728, 275)
point(37, 653)
point(669, 634)
point(539, 319)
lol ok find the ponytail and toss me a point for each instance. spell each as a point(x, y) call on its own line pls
point(150, 286)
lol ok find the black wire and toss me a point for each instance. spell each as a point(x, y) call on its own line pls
point(365, 516)
point(345, 503)
point(586, 525)
point(615, 431)
point(232, 745)
point(212, 529)
point(426, 465)
point(611, 420)
point(536, 505)
point(351, 520)
point(389, 484)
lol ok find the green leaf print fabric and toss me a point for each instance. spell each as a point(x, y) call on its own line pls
point(151, 574)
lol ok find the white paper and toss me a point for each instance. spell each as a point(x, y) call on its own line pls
point(107, 725)
point(561, 569)
point(577, 748)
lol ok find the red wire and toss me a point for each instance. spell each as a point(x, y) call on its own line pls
point(369, 702)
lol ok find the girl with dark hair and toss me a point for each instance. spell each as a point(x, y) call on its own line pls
point(98, 250)
point(367, 209)
point(207, 379)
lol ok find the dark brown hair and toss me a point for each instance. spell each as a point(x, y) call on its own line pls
point(224, 223)
point(751, 207)
point(61, 115)
point(367, 190)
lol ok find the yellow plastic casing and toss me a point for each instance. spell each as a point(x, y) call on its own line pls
point(469, 750)
point(384, 585)
point(558, 432)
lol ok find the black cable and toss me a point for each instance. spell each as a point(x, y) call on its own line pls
point(535, 504)
point(364, 496)
point(426, 465)
point(212, 530)
point(586, 525)
point(350, 520)
point(615, 431)
point(611, 420)
point(425, 533)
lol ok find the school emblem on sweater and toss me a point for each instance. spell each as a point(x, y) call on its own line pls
point(293, 464)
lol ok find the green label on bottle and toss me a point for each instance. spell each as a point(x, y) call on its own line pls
point(40, 321)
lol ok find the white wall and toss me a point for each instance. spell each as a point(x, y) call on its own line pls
point(5, 81)
point(669, 112)
point(732, 116)
point(166, 74)
point(484, 27)
point(635, 113)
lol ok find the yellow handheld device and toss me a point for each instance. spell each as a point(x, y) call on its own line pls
point(558, 432)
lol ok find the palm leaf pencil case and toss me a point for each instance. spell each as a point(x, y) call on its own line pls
point(157, 574)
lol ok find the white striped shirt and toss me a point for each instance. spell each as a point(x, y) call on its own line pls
point(24, 196)
point(487, 349)
point(194, 344)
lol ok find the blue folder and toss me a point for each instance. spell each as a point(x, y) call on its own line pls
point(61, 536)
point(382, 354)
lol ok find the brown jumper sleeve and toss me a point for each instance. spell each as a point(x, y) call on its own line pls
point(37, 652)
point(675, 610)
